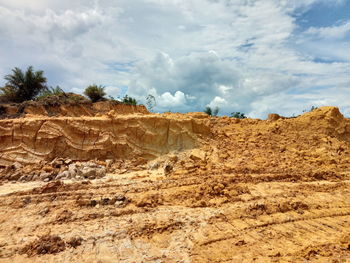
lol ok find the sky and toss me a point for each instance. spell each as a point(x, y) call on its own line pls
point(251, 56)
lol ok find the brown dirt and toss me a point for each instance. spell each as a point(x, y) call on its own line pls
point(240, 191)
point(67, 104)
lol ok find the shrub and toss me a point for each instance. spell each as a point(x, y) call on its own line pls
point(22, 86)
point(95, 93)
point(129, 100)
point(238, 115)
point(57, 91)
point(212, 112)
point(208, 111)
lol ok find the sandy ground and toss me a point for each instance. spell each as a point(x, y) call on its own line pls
point(256, 191)
point(161, 219)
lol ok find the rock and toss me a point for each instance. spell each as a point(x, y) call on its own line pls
point(73, 170)
point(63, 175)
point(68, 161)
point(87, 172)
point(168, 168)
point(197, 155)
point(44, 175)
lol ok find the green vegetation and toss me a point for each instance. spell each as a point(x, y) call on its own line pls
point(212, 112)
point(95, 93)
point(238, 115)
point(47, 92)
point(129, 100)
point(22, 86)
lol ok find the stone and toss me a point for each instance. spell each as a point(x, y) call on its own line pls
point(63, 175)
point(44, 175)
point(68, 161)
point(168, 168)
point(197, 155)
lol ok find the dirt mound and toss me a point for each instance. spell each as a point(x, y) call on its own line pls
point(67, 104)
point(175, 187)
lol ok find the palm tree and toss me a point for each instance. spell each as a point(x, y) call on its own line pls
point(22, 86)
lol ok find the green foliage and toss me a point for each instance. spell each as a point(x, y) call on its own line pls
point(22, 86)
point(51, 91)
point(238, 115)
point(208, 111)
point(212, 112)
point(151, 102)
point(129, 100)
point(95, 93)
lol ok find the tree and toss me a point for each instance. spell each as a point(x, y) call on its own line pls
point(129, 100)
point(151, 102)
point(95, 93)
point(22, 86)
point(208, 111)
point(212, 112)
point(238, 115)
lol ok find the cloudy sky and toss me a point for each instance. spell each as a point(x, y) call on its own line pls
point(253, 56)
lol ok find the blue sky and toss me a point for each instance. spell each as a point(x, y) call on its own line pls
point(253, 56)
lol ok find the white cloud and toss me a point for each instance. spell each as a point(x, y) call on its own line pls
point(240, 55)
point(338, 31)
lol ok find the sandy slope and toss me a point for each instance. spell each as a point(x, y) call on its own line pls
point(249, 191)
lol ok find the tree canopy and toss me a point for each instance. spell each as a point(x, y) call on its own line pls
point(22, 86)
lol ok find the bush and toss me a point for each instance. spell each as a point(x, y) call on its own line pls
point(22, 86)
point(47, 92)
point(129, 100)
point(95, 93)
point(238, 115)
point(208, 111)
point(212, 112)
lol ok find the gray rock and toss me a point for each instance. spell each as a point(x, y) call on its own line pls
point(63, 175)
point(44, 175)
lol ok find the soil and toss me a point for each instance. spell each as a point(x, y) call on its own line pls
point(249, 190)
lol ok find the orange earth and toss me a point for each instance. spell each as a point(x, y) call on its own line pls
point(125, 185)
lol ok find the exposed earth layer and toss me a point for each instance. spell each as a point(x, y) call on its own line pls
point(142, 187)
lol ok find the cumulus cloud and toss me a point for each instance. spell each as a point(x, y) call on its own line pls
point(240, 55)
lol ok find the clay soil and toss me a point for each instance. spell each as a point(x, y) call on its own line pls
point(274, 190)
